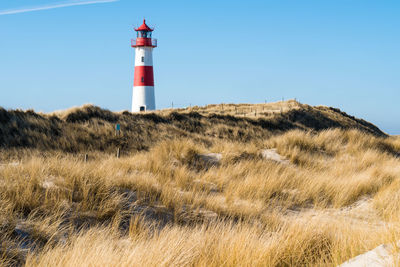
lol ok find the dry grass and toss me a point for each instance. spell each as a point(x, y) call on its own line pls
point(91, 128)
point(167, 206)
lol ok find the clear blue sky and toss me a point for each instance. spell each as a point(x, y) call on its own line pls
point(341, 53)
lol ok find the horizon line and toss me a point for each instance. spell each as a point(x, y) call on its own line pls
point(53, 6)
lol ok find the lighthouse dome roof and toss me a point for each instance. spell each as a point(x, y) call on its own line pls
point(144, 27)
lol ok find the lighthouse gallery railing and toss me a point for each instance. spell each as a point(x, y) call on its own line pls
point(143, 41)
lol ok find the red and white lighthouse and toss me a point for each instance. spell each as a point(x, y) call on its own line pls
point(143, 98)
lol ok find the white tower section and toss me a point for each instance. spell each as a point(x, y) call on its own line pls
point(143, 97)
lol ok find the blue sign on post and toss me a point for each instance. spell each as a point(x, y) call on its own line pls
point(117, 129)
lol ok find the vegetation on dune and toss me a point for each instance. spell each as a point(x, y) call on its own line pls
point(92, 129)
point(170, 200)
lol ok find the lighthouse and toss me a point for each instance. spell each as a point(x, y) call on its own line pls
point(143, 98)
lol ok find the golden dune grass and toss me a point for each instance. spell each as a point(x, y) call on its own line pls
point(337, 198)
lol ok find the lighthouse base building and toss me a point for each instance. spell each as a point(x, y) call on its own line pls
point(143, 97)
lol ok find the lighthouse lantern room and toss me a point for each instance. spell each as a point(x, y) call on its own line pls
point(143, 98)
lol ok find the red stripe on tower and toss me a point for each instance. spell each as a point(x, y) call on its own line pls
point(144, 76)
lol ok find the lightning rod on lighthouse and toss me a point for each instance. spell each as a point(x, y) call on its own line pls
point(143, 98)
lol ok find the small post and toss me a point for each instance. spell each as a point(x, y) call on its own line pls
point(86, 158)
point(118, 153)
point(172, 105)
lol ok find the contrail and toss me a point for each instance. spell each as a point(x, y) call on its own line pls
point(60, 5)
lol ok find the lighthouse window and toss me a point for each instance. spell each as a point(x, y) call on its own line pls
point(142, 59)
point(143, 34)
point(142, 79)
